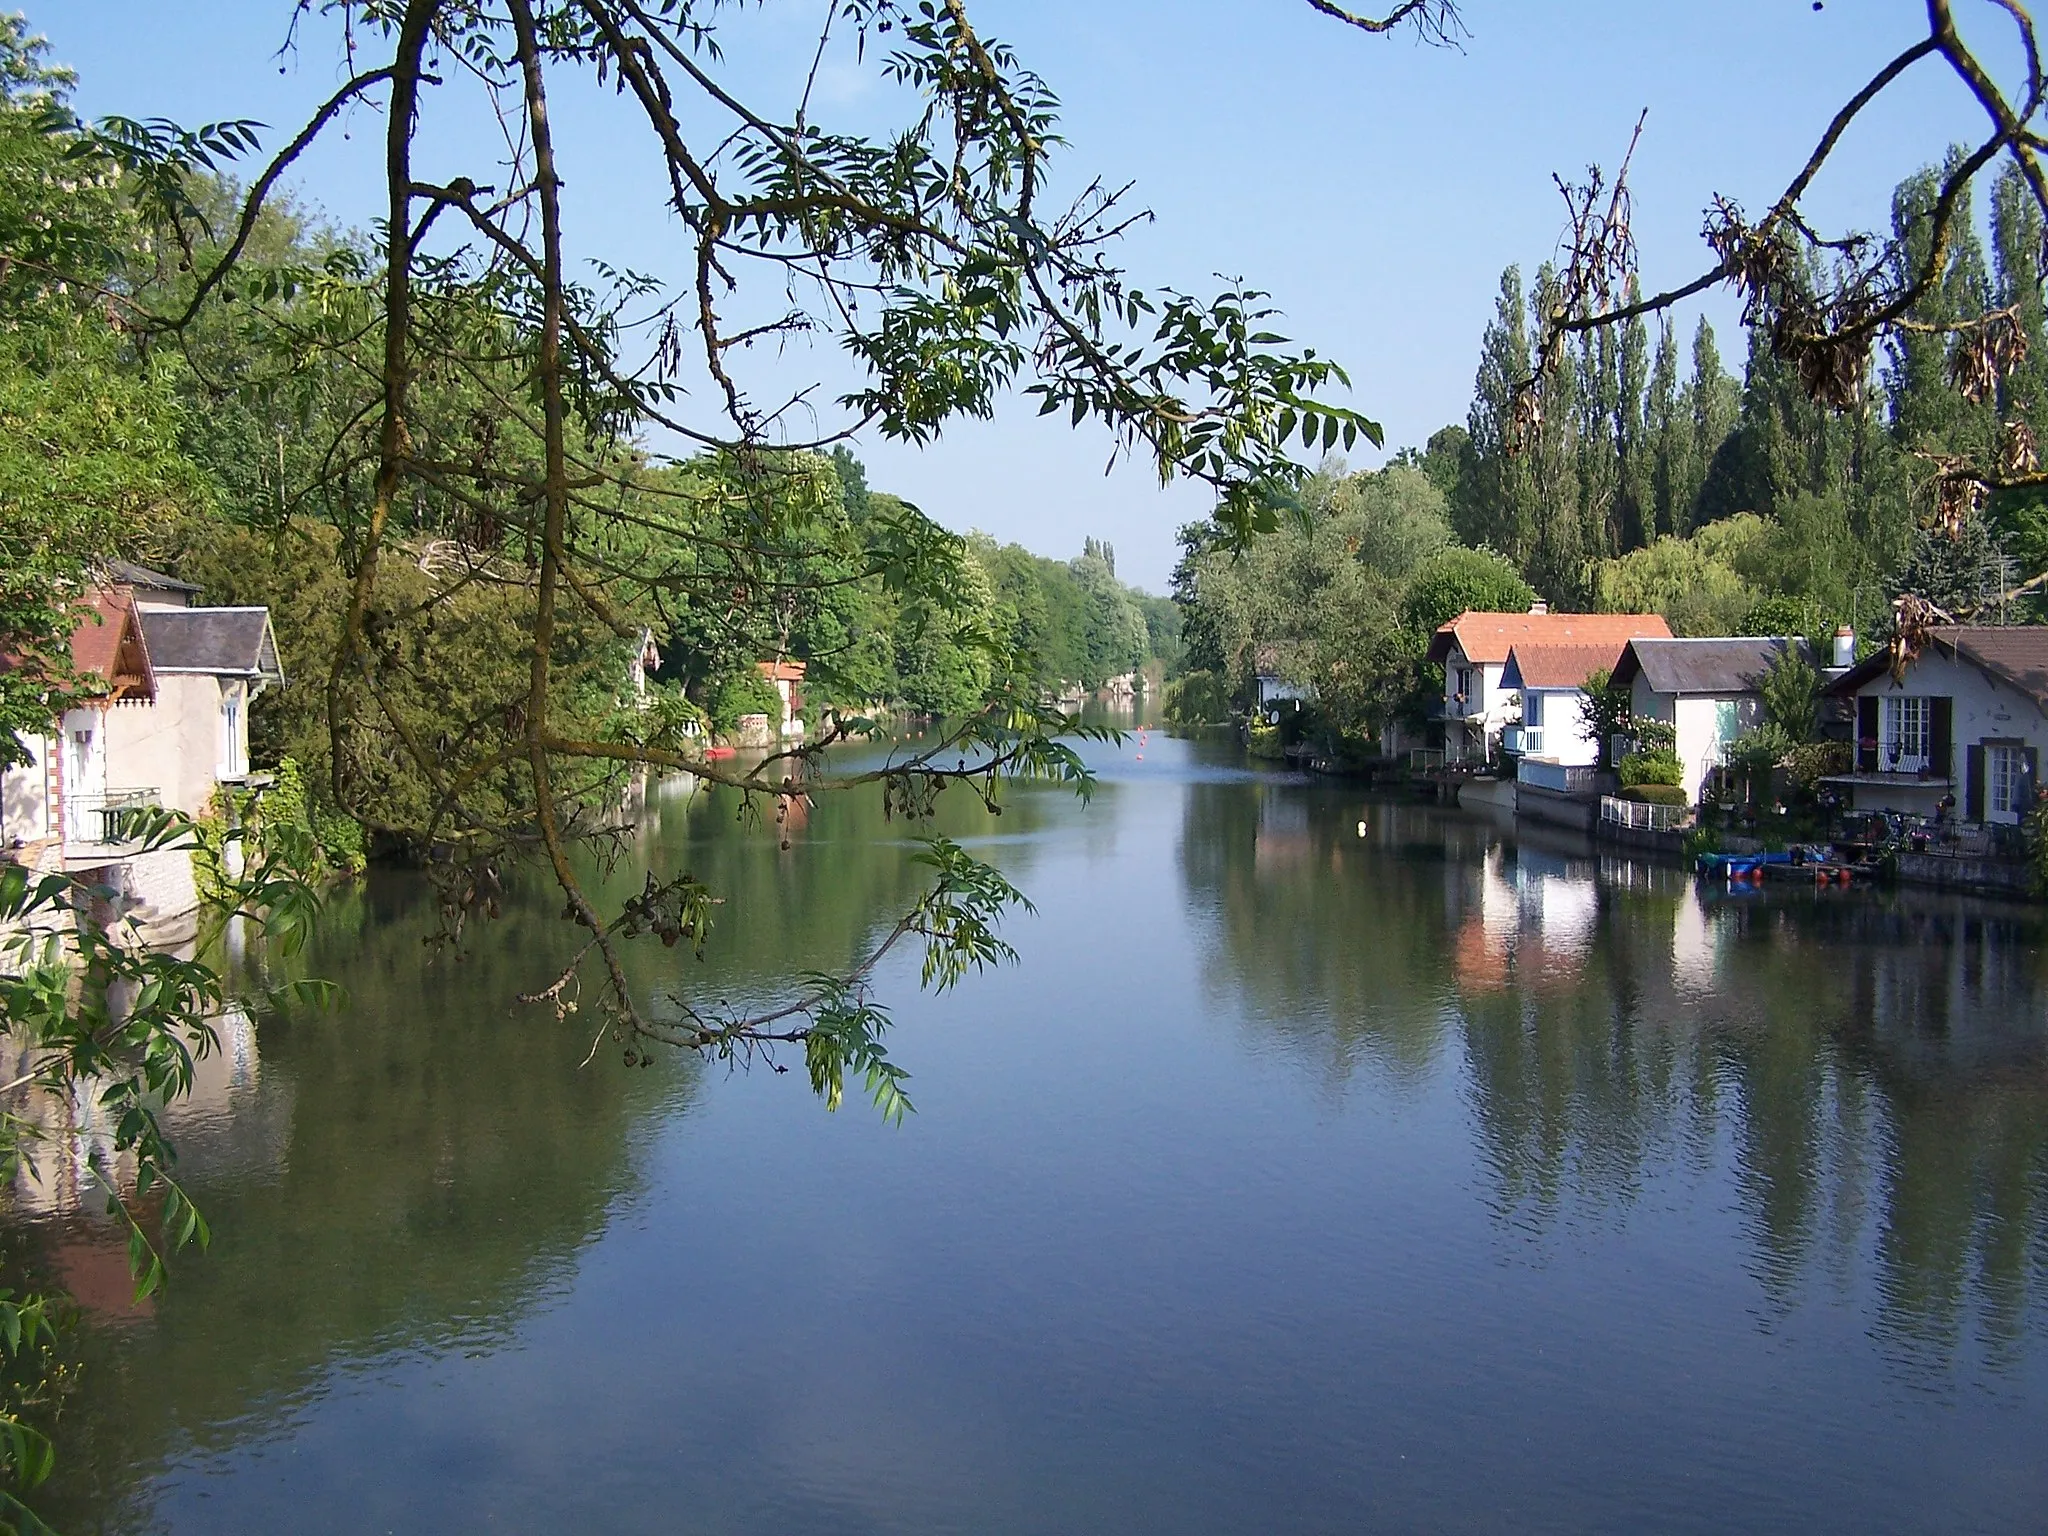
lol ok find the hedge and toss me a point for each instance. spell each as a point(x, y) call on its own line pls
point(1657, 794)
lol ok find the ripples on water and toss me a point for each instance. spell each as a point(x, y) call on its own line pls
point(1437, 1175)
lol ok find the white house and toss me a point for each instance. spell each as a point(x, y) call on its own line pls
point(1708, 690)
point(1551, 681)
point(787, 678)
point(1967, 716)
point(1473, 651)
point(169, 728)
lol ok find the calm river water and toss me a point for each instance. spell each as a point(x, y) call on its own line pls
point(1435, 1176)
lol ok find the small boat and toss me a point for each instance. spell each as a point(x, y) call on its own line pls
point(1739, 866)
point(714, 753)
point(1817, 872)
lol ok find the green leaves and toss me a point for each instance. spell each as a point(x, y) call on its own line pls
point(958, 917)
point(846, 1036)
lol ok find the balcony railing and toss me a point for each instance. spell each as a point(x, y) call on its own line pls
point(1557, 777)
point(1640, 815)
point(109, 818)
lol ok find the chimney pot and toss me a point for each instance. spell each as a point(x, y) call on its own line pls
point(1845, 646)
point(1539, 606)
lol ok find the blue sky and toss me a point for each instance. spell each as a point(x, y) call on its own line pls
point(1374, 186)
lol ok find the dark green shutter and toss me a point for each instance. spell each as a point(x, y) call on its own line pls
point(1941, 757)
point(1973, 785)
point(2030, 781)
point(1866, 733)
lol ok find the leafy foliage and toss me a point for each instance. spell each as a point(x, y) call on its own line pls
point(1659, 766)
point(1790, 692)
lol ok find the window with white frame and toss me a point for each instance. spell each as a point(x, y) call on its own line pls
point(1532, 722)
point(1463, 691)
point(2004, 775)
point(1904, 733)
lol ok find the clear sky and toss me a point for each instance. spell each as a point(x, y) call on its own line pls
point(1374, 186)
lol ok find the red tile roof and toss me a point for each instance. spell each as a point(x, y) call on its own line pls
point(1558, 666)
point(1486, 638)
point(107, 644)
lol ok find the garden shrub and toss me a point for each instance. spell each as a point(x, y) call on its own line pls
point(1657, 794)
point(1658, 767)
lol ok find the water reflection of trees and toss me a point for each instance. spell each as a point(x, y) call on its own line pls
point(420, 1170)
point(1872, 1069)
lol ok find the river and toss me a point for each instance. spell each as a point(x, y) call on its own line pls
point(1327, 1163)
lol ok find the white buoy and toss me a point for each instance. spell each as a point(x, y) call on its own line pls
point(1361, 829)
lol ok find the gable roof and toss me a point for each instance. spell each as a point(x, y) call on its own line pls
point(107, 643)
point(1721, 664)
point(2015, 654)
point(1487, 638)
point(130, 574)
point(1556, 666)
point(110, 645)
point(225, 642)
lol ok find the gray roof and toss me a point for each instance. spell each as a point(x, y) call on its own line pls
point(130, 574)
point(227, 642)
point(1718, 665)
point(2017, 654)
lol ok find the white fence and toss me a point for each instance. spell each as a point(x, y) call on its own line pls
point(1640, 815)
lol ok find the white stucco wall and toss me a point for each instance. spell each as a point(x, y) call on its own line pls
point(1697, 718)
point(172, 745)
point(24, 797)
point(1565, 737)
point(1984, 710)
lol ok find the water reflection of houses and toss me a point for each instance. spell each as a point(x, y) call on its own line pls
point(1862, 1077)
point(1532, 922)
point(231, 1123)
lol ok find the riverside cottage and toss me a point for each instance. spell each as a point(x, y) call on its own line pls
point(171, 727)
point(1708, 690)
point(1967, 718)
point(1479, 705)
point(1551, 680)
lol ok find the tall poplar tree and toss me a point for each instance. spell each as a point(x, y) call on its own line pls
point(1667, 436)
point(1496, 504)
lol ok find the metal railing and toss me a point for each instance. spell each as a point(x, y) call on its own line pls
point(113, 816)
point(1642, 815)
point(1963, 839)
point(1421, 759)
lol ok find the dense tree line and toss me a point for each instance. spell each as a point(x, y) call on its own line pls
point(1341, 598)
point(1654, 479)
point(235, 456)
point(1651, 479)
